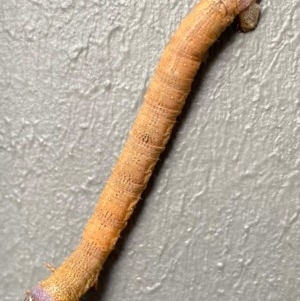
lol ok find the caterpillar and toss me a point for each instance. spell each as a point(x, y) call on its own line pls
point(163, 102)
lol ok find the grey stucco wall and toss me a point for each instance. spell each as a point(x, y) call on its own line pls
point(220, 220)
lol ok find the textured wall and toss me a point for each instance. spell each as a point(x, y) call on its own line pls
point(220, 220)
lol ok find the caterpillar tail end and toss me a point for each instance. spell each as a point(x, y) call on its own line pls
point(37, 294)
point(249, 14)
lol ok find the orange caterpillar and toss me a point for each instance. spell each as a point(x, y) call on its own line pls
point(151, 130)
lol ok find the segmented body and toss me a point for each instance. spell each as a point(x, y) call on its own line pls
point(151, 130)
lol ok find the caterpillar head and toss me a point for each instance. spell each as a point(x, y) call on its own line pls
point(249, 14)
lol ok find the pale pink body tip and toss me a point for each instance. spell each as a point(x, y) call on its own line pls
point(243, 4)
point(37, 294)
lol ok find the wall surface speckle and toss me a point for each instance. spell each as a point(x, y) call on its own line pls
point(221, 217)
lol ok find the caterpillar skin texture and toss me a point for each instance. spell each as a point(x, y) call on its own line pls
point(150, 132)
